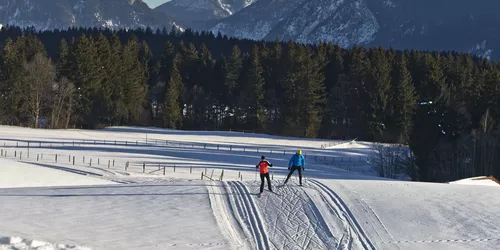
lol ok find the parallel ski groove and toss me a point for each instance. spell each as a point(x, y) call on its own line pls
point(340, 208)
point(249, 210)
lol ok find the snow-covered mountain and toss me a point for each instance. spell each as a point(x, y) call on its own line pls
point(52, 14)
point(459, 25)
point(198, 14)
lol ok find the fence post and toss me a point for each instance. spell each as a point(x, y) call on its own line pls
point(41, 156)
point(190, 169)
point(239, 174)
point(144, 167)
point(126, 166)
point(202, 175)
point(217, 147)
point(28, 149)
point(205, 146)
point(244, 149)
point(230, 147)
point(37, 157)
point(21, 155)
point(164, 170)
point(174, 168)
point(15, 154)
point(98, 161)
point(257, 150)
point(212, 175)
point(73, 160)
point(17, 144)
point(272, 177)
point(56, 158)
point(39, 144)
point(113, 162)
point(115, 142)
point(73, 143)
point(222, 175)
point(159, 167)
point(205, 170)
point(126, 143)
point(109, 163)
point(83, 159)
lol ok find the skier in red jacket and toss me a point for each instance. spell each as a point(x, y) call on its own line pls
point(264, 173)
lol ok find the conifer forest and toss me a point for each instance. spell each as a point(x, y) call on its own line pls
point(444, 105)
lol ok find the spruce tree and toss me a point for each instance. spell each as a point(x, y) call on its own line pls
point(173, 110)
point(232, 73)
point(379, 88)
point(87, 79)
point(311, 96)
point(404, 99)
point(135, 82)
point(252, 96)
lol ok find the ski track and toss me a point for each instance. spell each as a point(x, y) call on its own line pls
point(294, 221)
point(249, 215)
point(226, 216)
point(340, 209)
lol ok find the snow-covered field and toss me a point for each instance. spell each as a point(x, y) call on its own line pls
point(117, 188)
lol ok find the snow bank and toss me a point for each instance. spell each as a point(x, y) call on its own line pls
point(17, 174)
point(482, 180)
point(17, 243)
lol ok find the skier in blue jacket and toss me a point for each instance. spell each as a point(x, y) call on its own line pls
point(297, 162)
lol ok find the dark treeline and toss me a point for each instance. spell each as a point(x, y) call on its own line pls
point(444, 105)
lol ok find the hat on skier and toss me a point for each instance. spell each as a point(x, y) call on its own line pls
point(299, 152)
point(263, 157)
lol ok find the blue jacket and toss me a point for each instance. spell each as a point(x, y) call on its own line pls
point(297, 160)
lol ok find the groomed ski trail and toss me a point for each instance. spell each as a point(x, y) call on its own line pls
point(353, 231)
point(293, 220)
point(238, 216)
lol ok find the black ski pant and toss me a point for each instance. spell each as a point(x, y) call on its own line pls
point(262, 176)
point(293, 170)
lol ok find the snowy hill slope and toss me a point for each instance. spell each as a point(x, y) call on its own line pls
point(335, 209)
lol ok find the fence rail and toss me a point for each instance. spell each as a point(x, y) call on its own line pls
point(181, 144)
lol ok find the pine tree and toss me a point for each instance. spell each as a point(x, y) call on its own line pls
point(232, 73)
point(135, 82)
point(404, 99)
point(12, 110)
point(379, 91)
point(291, 62)
point(173, 110)
point(252, 98)
point(333, 115)
point(63, 60)
point(116, 72)
point(87, 79)
point(311, 96)
point(272, 63)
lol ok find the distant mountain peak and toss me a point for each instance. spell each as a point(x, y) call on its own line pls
point(61, 14)
point(197, 14)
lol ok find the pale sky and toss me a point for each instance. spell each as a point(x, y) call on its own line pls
point(155, 3)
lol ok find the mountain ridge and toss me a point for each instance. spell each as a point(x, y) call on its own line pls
point(62, 14)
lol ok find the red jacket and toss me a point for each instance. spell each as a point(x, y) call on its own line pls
point(263, 165)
